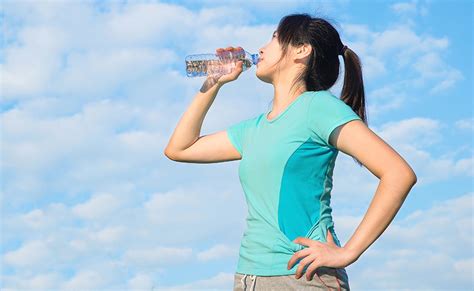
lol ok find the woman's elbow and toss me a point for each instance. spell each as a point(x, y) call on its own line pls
point(406, 171)
point(410, 176)
point(415, 178)
point(404, 174)
point(169, 154)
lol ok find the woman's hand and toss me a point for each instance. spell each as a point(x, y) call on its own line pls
point(225, 54)
point(318, 254)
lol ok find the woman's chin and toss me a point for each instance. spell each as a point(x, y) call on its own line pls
point(263, 77)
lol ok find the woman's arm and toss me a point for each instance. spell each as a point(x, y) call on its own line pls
point(188, 129)
point(396, 180)
point(185, 143)
point(187, 146)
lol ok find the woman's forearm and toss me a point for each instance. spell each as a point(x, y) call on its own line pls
point(389, 197)
point(188, 129)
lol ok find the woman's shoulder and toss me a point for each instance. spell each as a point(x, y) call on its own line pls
point(251, 121)
point(322, 94)
point(325, 99)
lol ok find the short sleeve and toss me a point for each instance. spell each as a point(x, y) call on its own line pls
point(237, 134)
point(327, 112)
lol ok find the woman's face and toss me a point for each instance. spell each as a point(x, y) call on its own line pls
point(269, 56)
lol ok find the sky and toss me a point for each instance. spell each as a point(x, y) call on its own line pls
point(91, 92)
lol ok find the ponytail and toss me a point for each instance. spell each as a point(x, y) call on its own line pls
point(353, 88)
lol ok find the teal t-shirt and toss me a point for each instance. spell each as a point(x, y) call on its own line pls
point(286, 175)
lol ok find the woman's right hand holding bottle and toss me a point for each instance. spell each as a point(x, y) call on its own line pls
point(226, 54)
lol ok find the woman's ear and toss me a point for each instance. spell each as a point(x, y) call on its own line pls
point(305, 49)
point(303, 52)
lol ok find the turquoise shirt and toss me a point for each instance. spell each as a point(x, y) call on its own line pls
point(286, 175)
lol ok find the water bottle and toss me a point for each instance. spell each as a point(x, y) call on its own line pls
point(219, 63)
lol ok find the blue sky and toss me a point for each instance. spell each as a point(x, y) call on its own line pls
point(92, 90)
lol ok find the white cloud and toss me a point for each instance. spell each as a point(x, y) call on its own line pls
point(433, 69)
point(142, 22)
point(418, 132)
point(418, 58)
point(411, 9)
point(141, 281)
point(35, 282)
point(96, 73)
point(201, 206)
point(466, 123)
point(124, 243)
point(384, 99)
point(217, 252)
point(159, 256)
point(99, 206)
point(413, 137)
point(86, 279)
point(111, 234)
point(35, 218)
point(28, 66)
point(404, 7)
point(358, 31)
point(79, 148)
point(31, 253)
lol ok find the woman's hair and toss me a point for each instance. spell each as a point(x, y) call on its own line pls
point(323, 66)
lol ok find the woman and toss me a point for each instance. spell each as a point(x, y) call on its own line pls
point(288, 156)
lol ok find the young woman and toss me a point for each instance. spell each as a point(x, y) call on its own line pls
point(288, 155)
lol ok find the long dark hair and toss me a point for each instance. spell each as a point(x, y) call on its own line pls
point(323, 66)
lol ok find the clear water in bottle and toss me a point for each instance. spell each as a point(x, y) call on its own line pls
point(218, 64)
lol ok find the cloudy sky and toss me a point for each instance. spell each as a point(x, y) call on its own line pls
point(92, 90)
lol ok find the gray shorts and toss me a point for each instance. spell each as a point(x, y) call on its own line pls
point(324, 278)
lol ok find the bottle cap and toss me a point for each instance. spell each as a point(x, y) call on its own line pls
point(254, 58)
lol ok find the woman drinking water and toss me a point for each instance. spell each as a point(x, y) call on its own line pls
point(287, 157)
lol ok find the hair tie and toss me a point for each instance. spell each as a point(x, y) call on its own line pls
point(343, 50)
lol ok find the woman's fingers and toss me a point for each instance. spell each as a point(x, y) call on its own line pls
point(303, 265)
point(228, 52)
point(220, 52)
point(240, 50)
point(229, 49)
point(225, 54)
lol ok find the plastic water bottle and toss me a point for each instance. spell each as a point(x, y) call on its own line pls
point(219, 63)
